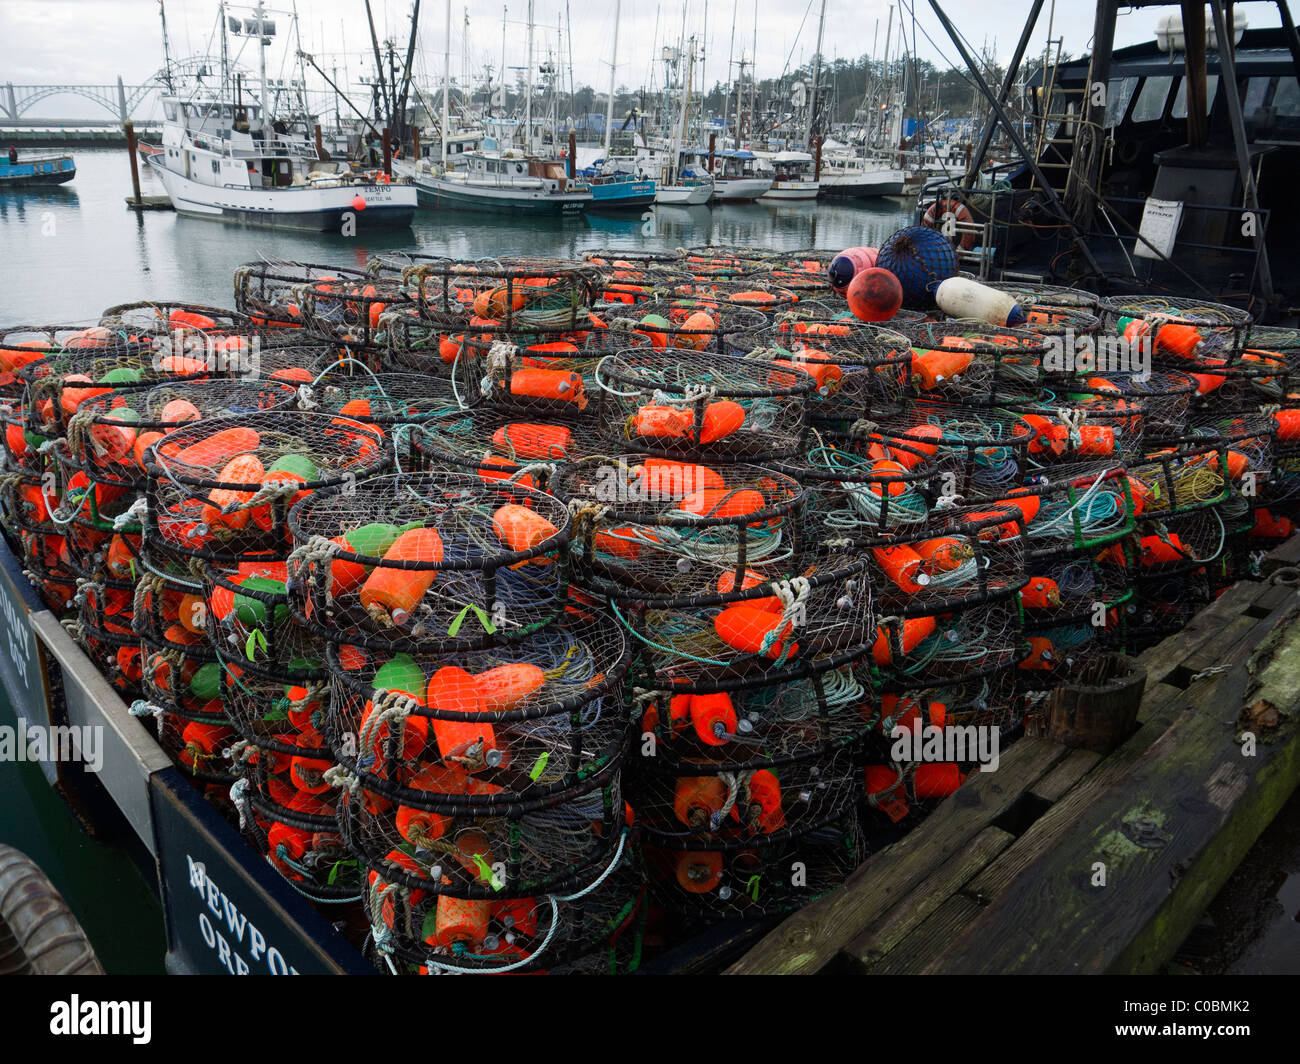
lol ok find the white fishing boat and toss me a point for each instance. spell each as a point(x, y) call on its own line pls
point(228, 157)
point(792, 175)
point(845, 176)
point(488, 179)
point(688, 189)
point(735, 177)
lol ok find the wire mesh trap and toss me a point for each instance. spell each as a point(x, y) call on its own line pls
point(759, 294)
point(1176, 328)
point(702, 406)
point(109, 434)
point(220, 489)
point(455, 563)
point(510, 294)
point(1077, 507)
point(1189, 474)
point(975, 364)
point(692, 324)
point(166, 317)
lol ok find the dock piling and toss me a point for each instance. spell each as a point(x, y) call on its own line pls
point(129, 127)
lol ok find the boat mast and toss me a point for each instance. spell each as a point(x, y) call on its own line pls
point(613, 69)
point(731, 51)
point(528, 99)
point(680, 139)
point(753, 80)
point(167, 57)
point(446, 85)
point(264, 42)
point(817, 70)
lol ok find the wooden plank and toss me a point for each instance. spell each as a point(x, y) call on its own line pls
point(911, 955)
point(1076, 765)
point(882, 936)
point(807, 940)
point(1285, 555)
point(1187, 807)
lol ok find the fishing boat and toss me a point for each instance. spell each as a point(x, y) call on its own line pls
point(688, 188)
point(845, 176)
point(735, 177)
point(43, 170)
point(792, 175)
point(488, 179)
point(618, 184)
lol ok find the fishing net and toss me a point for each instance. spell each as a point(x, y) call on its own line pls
point(701, 406)
point(221, 488)
point(861, 371)
point(109, 433)
point(454, 564)
point(975, 364)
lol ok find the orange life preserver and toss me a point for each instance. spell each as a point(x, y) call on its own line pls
point(940, 209)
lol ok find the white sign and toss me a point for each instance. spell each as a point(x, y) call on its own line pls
point(1160, 222)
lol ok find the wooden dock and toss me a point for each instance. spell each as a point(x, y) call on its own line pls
point(1067, 861)
point(149, 203)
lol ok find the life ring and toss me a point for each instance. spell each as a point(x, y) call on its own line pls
point(38, 933)
point(940, 209)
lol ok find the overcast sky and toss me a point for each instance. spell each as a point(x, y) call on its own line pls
point(93, 41)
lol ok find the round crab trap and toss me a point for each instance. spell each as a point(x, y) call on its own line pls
point(395, 263)
point(172, 615)
point(692, 324)
point(200, 746)
point(351, 312)
point(1251, 440)
point(710, 804)
point(1176, 328)
point(1192, 473)
point(414, 931)
point(247, 619)
point(275, 708)
point(22, 345)
point(753, 879)
point(1161, 399)
point(1079, 424)
point(1048, 295)
point(504, 445)
point(554, 378)
point(863, 485)
point(945, 647)
point(272, 293)
point(978, 452)
point(752, 294)
point(1164, 604)
point(109, 433)
point(221, 489)
point(1176, 545)
point(1080, 507)
point(106, 604)
point(288, 813)
point(25, 451)
point(48, 565)
point(454, 564)
point(1072, 608)
point(498, 731)
point(155, 318)
point(179, 678)
point(814, 311)
point(975, 364)
point(702, 406)
point(860, 370)
point(114, 654)
point(710, 730)
point(512, 295)
point(655, 529)
point(1242, 385)
point(988, 700)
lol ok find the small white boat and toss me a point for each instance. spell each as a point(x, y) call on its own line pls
point(792, 175)
point(509, 181)
point(847, 177)
point(735, 177)
point(689, 190)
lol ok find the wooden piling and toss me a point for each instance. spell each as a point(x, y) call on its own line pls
point(129, 127)
point(415, 144)
point(573, 154)
point(388, 152)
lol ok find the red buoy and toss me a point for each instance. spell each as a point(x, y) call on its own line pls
point(358, 203)
point(874, 295)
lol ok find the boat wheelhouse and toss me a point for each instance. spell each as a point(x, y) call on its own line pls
point(492, 180)
point(792, 175)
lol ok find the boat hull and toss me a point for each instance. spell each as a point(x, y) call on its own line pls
point(863, 186)
point(36, 173)
point(684, 196)
point(312, 209)
point(792, 190)
point(455, 196)
point(628, 195)
point(740, 189)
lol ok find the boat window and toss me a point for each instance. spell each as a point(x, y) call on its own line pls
point(1117, 98)
point(1150, 106)
point(170, 111)
point(1286, 98)
point(1180, 101)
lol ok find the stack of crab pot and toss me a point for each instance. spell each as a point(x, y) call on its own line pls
point(234, 683)
point(749, 631)
point(480, 720)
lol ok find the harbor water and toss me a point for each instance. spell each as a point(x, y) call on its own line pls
point(83, 250)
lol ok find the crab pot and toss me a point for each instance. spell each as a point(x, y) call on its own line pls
point(978, 452)
point(553, 377)
point(352, 312)
point(454, 564)
point(475, 850)
point(1073, 609)
point(1165, 603)
point(171, 612)
point(763, 295)
point(702, 407)
point(1178, 328)
point(200, 745)
point(106, 604)
point(23, 345)
point(1081, 425)
point(289, 814)
point(221, 489)
point(395, 265)
point(861, 485)
point(414, 931)
point(832, 310)
point(30, 503)
point(700, 324)
point(50, 568)
point(185, 678)
point(507, 295)
point(273, 294)
point(248, 619)
point(1257, 378)
point(974, 364)
point(629, 277)
point(804, 276)
point(93, 505)
point(942, 648)
point(1174, 545)
point(431, 345)
point(391, 402)
point(1251, 439)
point(1188, 474)
point(860, 370)
point(24, 451)
point(109, 434)
point(503, 445)
point(776, 778)
point(115, 653)
point(489, 730)
point(750, 879)
point(1079, 507)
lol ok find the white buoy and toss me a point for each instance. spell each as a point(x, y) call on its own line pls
point(960, 297)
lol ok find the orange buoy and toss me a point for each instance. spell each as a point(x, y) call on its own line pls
point(561, 384)
point(460, 920)
point(713, 717)
point(743, 627)
point(453, 690)
point(915, 631)
point(503, 687)
point(903, 566)
point(934, 366)
point(396, 591)
point(874, 294)
point(1041, 593)
point(525, 440)
point(699, 872)
point(697, 799)
point(522, 529)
